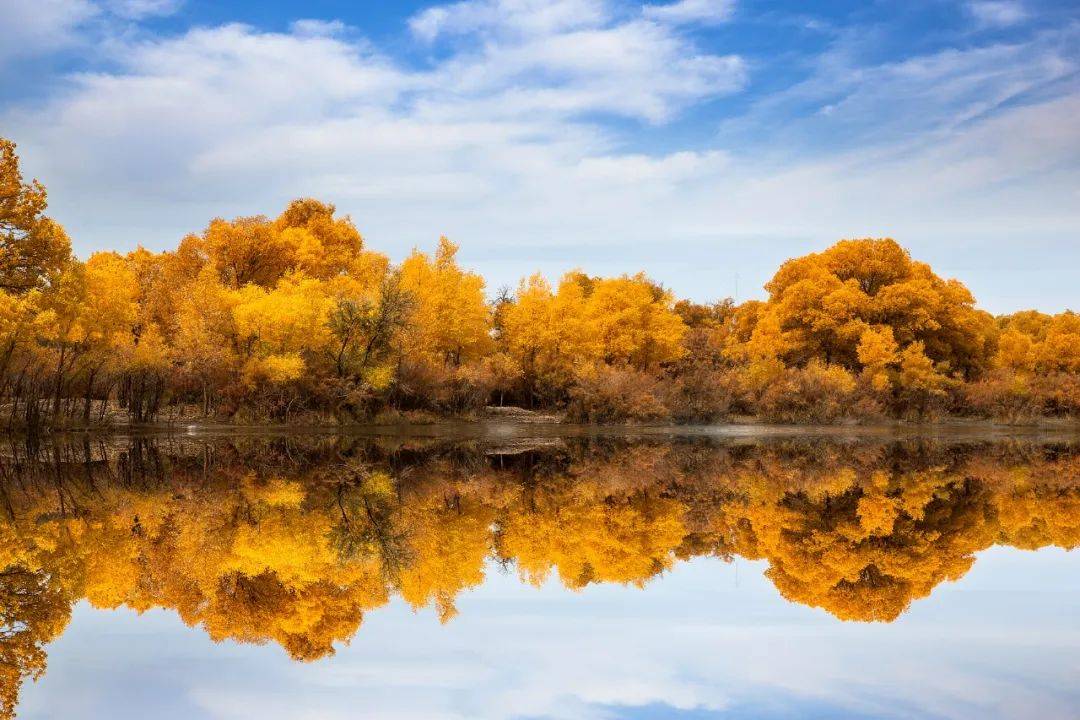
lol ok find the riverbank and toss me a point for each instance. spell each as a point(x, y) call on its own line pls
point(510, 421)
point(499, 429)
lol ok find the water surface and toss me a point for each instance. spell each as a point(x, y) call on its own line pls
point(700, 576)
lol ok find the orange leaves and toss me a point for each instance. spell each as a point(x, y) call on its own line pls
point(630, 320)
point(1016, 350)
point(823, 304)
point(305, 238)
point(877, 351)
point(244, 250)
point(322, 246)
point(1032, 341)
point(1061, 348)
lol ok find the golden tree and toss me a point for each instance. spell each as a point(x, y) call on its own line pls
point(451, 320)
point(32, 246)
point(823, 304)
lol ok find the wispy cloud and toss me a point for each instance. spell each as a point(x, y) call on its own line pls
point(510, 17)
point(692, 11)
point(569, 57)
point(846, 101)
point(140, 9)
point(316, 28)
point(998, 13)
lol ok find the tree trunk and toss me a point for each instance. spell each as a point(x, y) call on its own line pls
point(58, 383)
point(88, 399)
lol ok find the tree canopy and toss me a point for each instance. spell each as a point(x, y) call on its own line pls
point(294, 319)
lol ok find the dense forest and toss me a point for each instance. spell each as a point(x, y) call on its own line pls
point(295, 541)
point(295, 319)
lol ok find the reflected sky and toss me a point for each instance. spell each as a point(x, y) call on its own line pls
point(706, 640)
point(705, 637)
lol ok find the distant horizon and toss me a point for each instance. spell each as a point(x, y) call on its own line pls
point(692, 139)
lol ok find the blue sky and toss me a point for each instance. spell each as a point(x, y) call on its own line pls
point(701, 140)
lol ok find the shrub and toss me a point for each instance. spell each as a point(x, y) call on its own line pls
point(441, 388)
point(616, 394)
point(1002, 395)
point(817, 393)
point(702, 394)
point(1060, 393)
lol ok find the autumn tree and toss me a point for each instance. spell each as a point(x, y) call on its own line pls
point(630, 320)
point(33, 612)
point(824, 303)
point(203, 346)
point(32, 246)
point(451, 320)
point(1032, 341)
point(365, 328)
point(305, 238)
point(320, 244)
point(558, 335)
point(543, 332)
point(260, 318)
point(279, 329)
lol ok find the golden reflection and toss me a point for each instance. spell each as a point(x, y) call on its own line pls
point(292, 541)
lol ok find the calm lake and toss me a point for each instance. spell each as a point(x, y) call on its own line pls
point(541, 573)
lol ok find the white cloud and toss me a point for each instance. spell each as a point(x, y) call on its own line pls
point(636, 69)
point(509, 17)
point(999, 13)
point(691, 11)
point(528, 57)
point(498, 144)
point(915, 99)
point(33, 28)
point(669, 170)
point(315, 28)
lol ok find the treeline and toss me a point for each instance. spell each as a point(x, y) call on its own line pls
point(293, 542)
point(294, 319)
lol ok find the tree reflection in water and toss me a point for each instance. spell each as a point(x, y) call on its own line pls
point(292, 540)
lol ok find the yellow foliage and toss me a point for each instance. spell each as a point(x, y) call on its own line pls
point(277, 326)
point(917, 371)
point(877, 351)
point(543, 332)
point(1016, 350)
point(277, 368)
point(451, 321)
point(626, 320)
point(256, 315)
point(631, 320)
point(33, 248)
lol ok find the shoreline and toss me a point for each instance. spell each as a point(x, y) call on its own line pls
point(494, 428)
